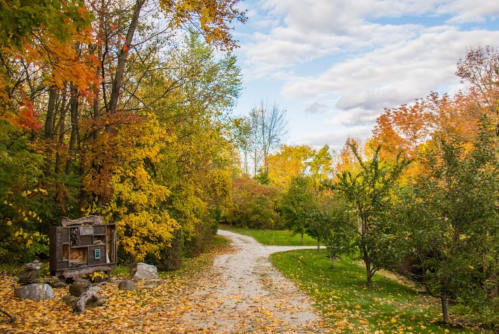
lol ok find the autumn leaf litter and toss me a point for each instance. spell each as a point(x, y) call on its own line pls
point(241, 293)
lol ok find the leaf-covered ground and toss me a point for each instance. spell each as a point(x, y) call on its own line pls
point(247, 294)
point(241, 293)
point(157, 310)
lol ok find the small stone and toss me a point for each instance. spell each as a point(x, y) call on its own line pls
point(79, 287)
point(50, 280)
point(35, 292)
point(127, 285)
point(70, 300)
point(97, 303)
point(146, 271)
point(30, 276)
point(35, 265)
point(58, 285)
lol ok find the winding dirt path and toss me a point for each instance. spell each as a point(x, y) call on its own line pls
point(244, 293)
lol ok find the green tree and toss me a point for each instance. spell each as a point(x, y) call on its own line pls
point(335, 226)
point(451, 219)
point(297, 203)
point(368, 193)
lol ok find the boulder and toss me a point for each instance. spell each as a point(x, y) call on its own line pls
point(29, 277)
point(35, 292)
point(146, 271)
point(127, 285)
point(79, 287)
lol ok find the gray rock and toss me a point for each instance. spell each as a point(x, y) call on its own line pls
point(146, 271)
point(70, 300)
point(127, 285)
point(50, 280)
point(97, 303)
point(35, 292)
point(54, 282)
point(79, 287)
point(58, 285)
point(33, 266)
point(29, 276)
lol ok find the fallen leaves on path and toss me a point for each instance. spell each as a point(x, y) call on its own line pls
point(157, 310)
point(204, 300)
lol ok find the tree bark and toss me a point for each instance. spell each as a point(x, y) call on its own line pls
point(49, 121)
point(74, 130)
point(318, 246)
point(122, 57)
point(445, 309)
point(80, 305)
point(302, 238)
point(367, 262)
point(331, 257)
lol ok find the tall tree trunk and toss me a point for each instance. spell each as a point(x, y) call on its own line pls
point(74, 130)
point(49, 121)
point(122, 57)
point(49, 129)
point(318, 245)
point(367, 262)
point(302, 238)
point(61, 125)
point(445, 310)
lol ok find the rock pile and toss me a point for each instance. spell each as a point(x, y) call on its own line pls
point(31, 288)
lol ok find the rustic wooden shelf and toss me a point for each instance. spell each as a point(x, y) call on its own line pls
point(74, 243)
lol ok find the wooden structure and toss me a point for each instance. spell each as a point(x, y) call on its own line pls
point(82, 246)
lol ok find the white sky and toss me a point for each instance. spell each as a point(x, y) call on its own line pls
point(335, 64)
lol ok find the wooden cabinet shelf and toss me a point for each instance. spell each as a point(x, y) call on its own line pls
point(78, 248)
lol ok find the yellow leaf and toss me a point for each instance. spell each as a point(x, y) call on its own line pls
point(393, 320)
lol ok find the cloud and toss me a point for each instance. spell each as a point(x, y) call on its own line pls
point(335, 139)
point(466, 11)
point(303, 30)
point(315, 108)
point(391, 75)
point(362, 56)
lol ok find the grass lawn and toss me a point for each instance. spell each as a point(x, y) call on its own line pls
point(271, 237)
point(342, 297)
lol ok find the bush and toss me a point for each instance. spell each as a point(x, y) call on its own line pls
point(254, 205)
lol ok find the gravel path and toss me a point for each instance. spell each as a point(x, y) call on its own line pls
point(244, 293)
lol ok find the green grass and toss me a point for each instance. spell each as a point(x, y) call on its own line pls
point(341, 295)
point(271, 237)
